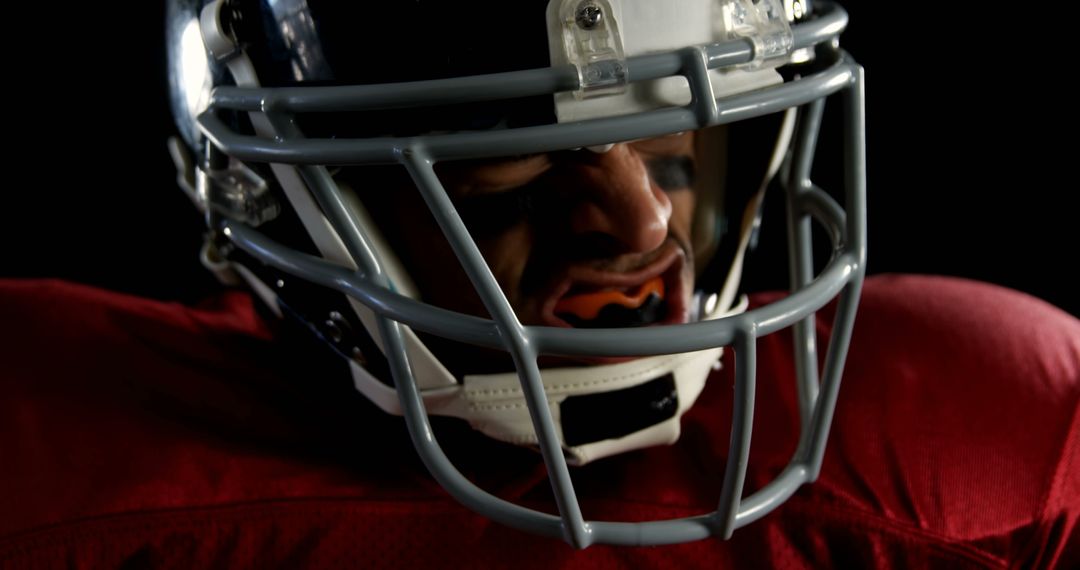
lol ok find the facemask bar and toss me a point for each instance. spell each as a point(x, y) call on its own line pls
point(369, 285)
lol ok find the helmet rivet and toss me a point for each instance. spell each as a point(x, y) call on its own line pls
point(589, 15)
point(335, 327)
point(798, 10)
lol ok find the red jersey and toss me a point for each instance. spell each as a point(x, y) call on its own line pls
point(138, 432)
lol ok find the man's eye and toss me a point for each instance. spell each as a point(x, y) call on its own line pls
point(672, 172)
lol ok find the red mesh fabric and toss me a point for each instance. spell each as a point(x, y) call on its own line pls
point(134, 432)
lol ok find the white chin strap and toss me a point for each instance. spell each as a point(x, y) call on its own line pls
point(497, 405)
point(494, 404)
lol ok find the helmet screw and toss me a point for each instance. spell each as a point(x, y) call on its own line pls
point(798, 10)
point(589, 16)
point(336, 326)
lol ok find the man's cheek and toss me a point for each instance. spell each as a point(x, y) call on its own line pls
point(508, 254)
point(682, 211)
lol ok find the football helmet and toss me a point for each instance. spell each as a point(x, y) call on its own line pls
point(293, 114)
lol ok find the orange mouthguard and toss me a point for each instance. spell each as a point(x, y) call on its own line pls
point(586, 306)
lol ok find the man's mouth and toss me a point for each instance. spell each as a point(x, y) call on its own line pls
point(592, 298)
point(636, 306)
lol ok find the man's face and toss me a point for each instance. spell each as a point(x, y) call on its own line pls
point(587, 238)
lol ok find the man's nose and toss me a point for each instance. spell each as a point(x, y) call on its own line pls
point(620, 200)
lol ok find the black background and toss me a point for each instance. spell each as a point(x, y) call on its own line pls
point(968, 130)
